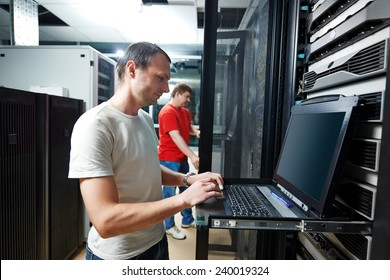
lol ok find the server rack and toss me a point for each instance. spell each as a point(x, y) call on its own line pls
point(64, 199)
point(347, 52)
point(41, 207)
point(18, 167)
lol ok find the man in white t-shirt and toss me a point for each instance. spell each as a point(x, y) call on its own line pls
point(114, 154)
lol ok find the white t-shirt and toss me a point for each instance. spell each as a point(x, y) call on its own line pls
point(107, 142)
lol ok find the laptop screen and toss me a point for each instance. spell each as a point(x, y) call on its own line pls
point(312, 153)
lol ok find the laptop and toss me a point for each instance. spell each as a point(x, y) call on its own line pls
point(310, 163)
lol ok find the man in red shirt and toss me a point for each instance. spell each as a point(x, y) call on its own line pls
point(174, 131)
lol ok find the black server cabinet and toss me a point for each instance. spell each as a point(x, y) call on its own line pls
point(41, 207)
point(63, 193)
point(18, 186)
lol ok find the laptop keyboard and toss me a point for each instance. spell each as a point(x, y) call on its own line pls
point(246, 201)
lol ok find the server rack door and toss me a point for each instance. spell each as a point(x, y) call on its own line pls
point(18, 175)
point(64, 194)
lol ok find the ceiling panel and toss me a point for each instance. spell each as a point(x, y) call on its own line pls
point(101, 34)
point(162, 24)
point(61, 33)
point(80, 14)
point(131, 22)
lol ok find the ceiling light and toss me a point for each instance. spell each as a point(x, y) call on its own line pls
point(119, 53)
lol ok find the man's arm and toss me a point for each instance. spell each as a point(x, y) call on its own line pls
point(182, 145)
point(195, 132)
point(112, 218)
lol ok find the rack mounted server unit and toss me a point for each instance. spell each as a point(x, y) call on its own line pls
point(347, 53)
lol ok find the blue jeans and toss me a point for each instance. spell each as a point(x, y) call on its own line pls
point(158, 251)
point(186, 214)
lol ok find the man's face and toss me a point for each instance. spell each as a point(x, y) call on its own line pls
point(152, 82)
point(183, 99)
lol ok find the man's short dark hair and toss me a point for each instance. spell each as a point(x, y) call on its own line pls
point(141, 53)
point(180, 89)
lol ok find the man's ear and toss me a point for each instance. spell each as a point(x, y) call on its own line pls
point(131, 67)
